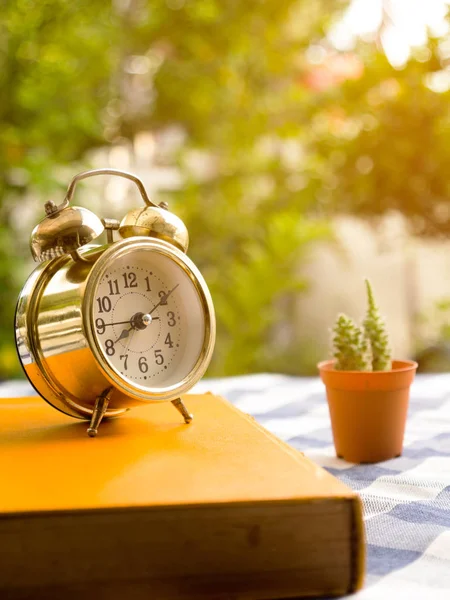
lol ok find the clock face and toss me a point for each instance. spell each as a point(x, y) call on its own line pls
point(148, 318)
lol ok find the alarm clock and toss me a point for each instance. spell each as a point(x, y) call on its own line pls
point(103, 328)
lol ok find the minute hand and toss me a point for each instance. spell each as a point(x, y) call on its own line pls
point(163, 299)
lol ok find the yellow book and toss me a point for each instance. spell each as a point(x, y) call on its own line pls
point(155, 509)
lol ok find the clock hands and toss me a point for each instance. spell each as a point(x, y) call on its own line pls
point(137, 321)
point(141, 320)
point(126, 322)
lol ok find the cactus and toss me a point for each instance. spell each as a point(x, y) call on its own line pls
point(375, 331)
point(351, 349)
point(363, 348)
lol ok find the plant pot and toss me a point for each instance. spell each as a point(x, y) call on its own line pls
point(368, 410)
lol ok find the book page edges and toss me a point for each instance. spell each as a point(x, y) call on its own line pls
point(357, 531)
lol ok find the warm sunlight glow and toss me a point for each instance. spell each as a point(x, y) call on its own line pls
point(399, 25)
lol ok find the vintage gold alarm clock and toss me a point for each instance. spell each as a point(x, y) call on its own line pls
point(102, 328)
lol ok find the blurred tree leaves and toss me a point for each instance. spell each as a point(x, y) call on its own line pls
point(56, 60)
point(79, 75)
point(231, 82)
point(278, 152)
point(390, 145)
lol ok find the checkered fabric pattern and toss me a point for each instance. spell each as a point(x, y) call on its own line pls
point(406, 500)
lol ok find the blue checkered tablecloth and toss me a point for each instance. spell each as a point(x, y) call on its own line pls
point(406, 500)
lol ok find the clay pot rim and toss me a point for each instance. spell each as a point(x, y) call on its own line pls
point(403, 367)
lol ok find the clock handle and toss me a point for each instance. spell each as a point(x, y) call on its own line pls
point(65, 230)
point(93, 172)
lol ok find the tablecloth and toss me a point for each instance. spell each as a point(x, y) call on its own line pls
point(406, 500)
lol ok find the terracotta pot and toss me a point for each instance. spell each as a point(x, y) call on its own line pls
point(368, 410)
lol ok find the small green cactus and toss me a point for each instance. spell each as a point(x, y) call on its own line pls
point(351, 349)
point(375, 331)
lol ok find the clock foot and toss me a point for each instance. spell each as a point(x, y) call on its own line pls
point(101, 404)
point(182, 410)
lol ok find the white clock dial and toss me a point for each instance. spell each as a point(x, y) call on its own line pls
point(148, 319)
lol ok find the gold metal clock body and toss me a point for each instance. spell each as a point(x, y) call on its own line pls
point(55, 331)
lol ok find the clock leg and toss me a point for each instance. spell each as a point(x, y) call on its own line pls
point(182, 410)
point(101, 404)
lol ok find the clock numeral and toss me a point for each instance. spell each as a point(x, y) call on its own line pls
point(142, 364)
point(171, 322)
point(162, 294)
point(130, 280)
point(159, 358)
point(124, 357)
point(168, 341)
point(113, 288)
point(100, 326)
point(104, 304)
point(109, 346)
point(147, 281)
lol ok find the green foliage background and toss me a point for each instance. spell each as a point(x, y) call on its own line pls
point(233, 77)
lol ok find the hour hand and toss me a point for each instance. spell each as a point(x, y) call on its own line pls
point(125, 333)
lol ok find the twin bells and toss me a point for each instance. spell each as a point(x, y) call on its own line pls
point(67, 228)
